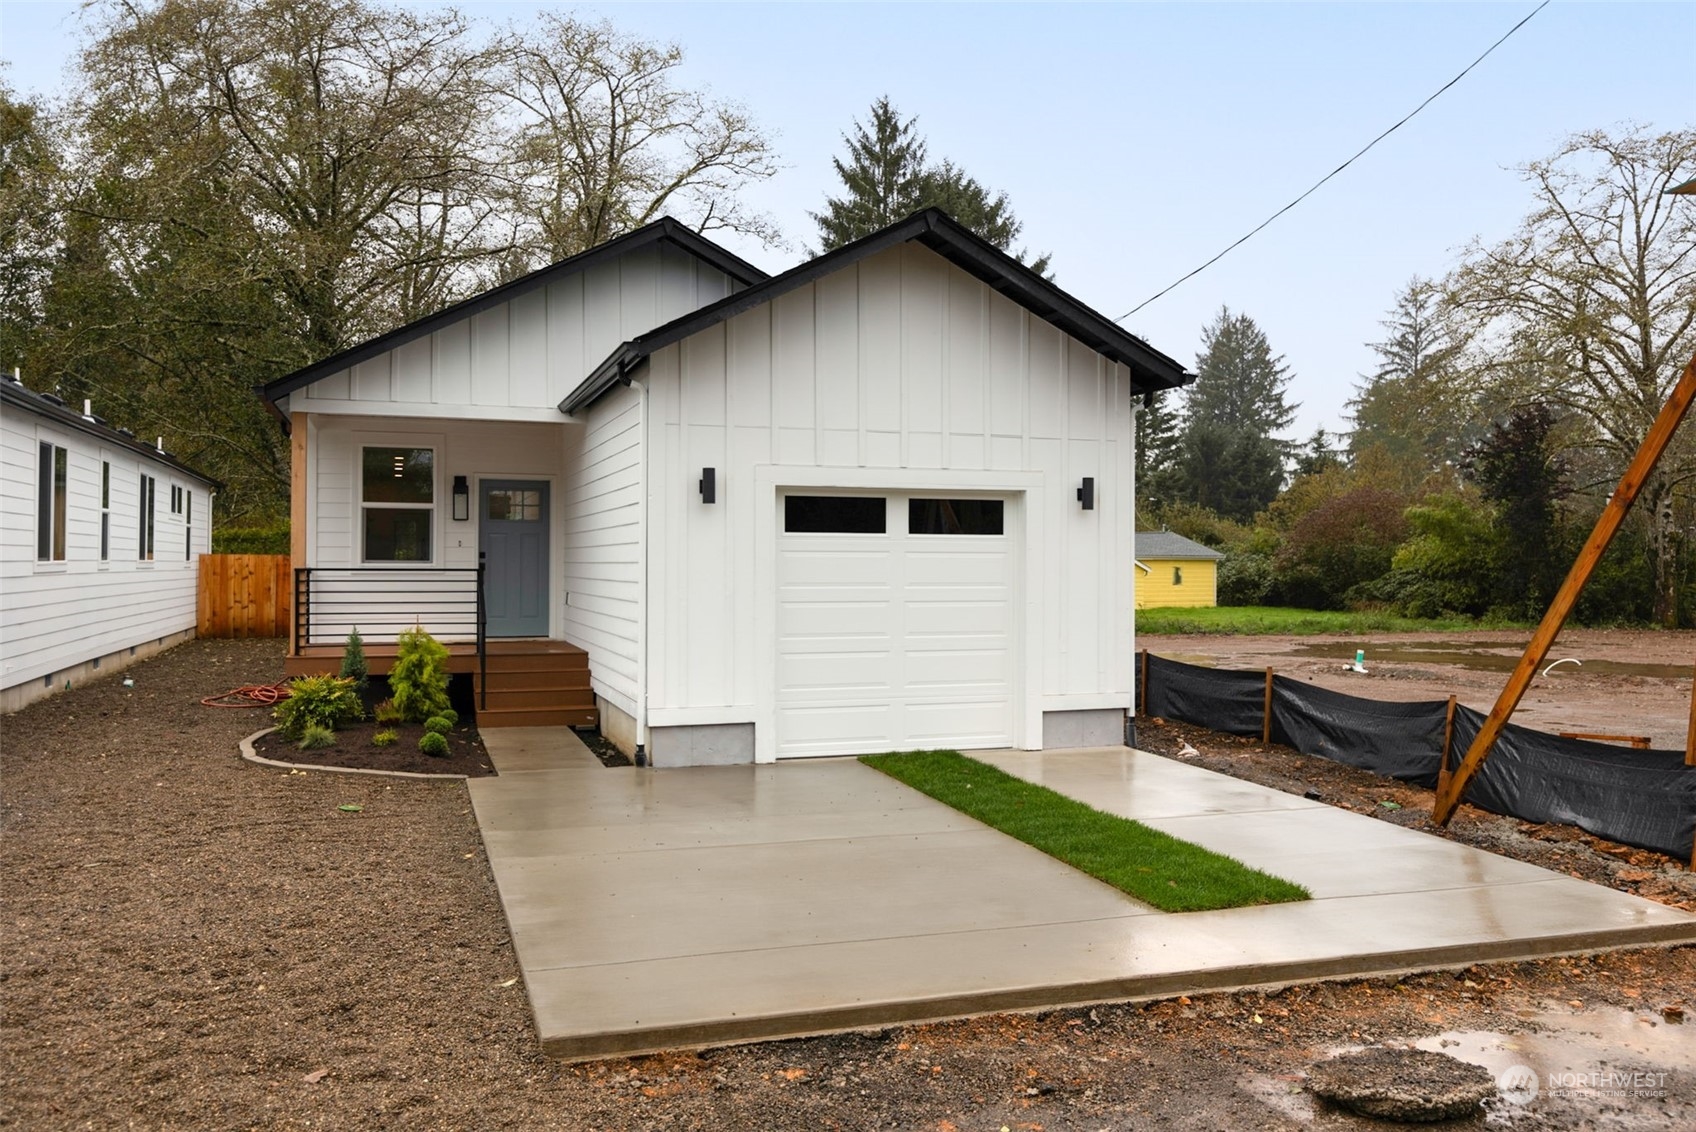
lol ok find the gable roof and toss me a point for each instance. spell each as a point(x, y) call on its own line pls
point(44, 405)
point(936, 230)
point(664, 229)
point(1165, 544)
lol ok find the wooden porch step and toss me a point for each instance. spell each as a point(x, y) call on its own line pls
point(537, 662)
point(507, 681)
point(536, 717)
point(500, 697)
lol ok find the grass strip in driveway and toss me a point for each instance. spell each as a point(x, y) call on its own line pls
point(1154, 867)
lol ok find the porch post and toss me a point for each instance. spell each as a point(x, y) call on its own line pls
point(297, 516)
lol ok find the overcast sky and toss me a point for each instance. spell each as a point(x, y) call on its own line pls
point(1137, 140)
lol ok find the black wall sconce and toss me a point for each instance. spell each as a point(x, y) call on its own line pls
point(709, 485)
point(461, 498)
point(1086, 493)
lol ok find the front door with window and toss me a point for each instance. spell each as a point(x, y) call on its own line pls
point(513, 536)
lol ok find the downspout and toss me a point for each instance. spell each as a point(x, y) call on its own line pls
point(1138, 406)
point(642, 564)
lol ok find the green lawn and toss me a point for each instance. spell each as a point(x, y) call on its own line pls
point(1172, 875)
point(1254, 620)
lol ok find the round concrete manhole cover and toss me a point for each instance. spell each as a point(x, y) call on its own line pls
point(1402, 1084)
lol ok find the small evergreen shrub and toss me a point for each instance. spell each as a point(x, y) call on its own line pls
point(314, 737)
point(434, 744)
point(419, 678)
point(450, 715)
point(353, 661)
point(322, 701)
point(439, 724)
point(387, 712)
point(387, 737)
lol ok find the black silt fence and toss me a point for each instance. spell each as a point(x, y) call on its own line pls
point(1635, 797)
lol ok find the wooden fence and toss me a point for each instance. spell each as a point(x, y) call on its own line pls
point(244, 595)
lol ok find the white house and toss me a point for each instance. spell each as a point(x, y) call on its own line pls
point(880, 501)
point(100, 538)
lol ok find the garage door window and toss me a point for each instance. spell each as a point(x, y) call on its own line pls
point(834, 514)
point(954, 516)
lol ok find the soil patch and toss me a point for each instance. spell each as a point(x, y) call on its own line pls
point(354, 748)
point(601, 747)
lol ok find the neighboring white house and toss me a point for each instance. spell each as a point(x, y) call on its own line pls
point(880, 501)
point(100, 538)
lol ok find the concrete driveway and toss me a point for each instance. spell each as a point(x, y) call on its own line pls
point(684, 907)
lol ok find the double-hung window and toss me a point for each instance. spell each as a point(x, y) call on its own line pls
point(397, 503)
point(50, 503)
point(105, 510)
point(144, 528)
point(188, 525)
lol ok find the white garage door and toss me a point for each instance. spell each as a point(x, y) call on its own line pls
point(895, 623)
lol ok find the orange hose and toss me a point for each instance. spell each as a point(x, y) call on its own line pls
point(250, 695)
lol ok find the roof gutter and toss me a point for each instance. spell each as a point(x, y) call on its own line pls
point(617, 368)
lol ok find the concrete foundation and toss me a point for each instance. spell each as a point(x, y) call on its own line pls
point(618, 727)
point(714, 744)
point(1101, 727)
point(38, 687)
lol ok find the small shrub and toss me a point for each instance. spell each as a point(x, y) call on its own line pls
point(314, 737)
point(273, 539)
point(387, 712)
point(323, 701)
point(419, 678)
point(440, 724)
point(387, 737)
point(450, 715)
point(353, 661)
point(434, 744)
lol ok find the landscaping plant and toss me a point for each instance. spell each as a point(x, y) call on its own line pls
point(387, 712)
point(313, 737)
point(353, 661)
point(434, 744)
point(451, 716)
point(387, 737)
point(419, 678)
point(440, 724)
point(321, 701)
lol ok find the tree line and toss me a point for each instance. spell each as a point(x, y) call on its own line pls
point(1508, 398)
point(229, 190)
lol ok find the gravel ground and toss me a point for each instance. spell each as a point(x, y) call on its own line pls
point(192, 941)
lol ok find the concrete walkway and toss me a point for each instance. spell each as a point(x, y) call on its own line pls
point(679, 907)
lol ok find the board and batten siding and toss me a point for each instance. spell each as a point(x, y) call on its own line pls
point(57, 615)
point(603, 546)
point(478, 450)
point(520, 358)
point(898, 371)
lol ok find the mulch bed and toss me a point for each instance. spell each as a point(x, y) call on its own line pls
point(354, 748)
point(193, 941)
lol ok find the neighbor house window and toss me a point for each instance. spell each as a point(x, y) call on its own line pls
point(188, 525)
point(397, 503)
point(144, 528)
point(105, 510)
point(1177, 575)
point(50, 504)
point(176, 500)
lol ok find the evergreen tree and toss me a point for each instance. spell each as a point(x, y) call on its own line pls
point(886, 178)
point(1156, 450)
point(1415, 404)
point(1229, 456)
point(1520, 469)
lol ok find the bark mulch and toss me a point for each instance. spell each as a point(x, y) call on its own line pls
point(353, 748)
point(194, 941)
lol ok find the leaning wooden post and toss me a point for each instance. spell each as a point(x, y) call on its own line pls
point(1660, 435)
point(1448, 742)
point(1266, 727)
point(1690, 736)
point(1142, 692)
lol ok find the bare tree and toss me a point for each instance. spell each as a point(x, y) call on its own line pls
point(1591, 307)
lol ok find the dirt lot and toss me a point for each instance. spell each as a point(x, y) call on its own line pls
point(1630, 681)
point(191, 941)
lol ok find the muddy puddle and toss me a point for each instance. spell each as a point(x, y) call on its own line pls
point(1618, 1069)
point(1484, 659)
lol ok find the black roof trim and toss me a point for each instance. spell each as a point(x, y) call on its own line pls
point(936, 230)
point(662, 229)
point(42, 404)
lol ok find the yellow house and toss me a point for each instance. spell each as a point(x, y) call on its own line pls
point(1174, 570)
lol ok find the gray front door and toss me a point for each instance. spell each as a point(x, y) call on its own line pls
point(514, 541)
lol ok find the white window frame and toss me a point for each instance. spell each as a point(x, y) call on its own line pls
point(105, 509)
point(435, 448)
point(53, 505)
point(147, 517)
point(188, 525)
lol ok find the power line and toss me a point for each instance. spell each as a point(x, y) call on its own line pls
point(1339, 168)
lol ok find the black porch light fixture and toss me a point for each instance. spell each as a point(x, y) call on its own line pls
point(1086, 493)
point(709, 485)
point(461, 498)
